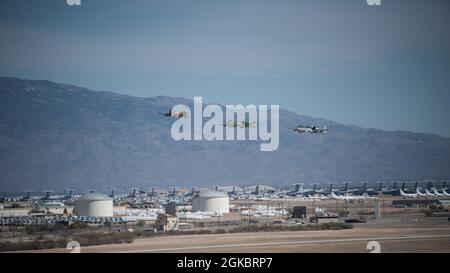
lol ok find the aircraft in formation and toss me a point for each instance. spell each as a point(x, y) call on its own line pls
point(240, 124)
point(174, 114)
point(244, 124)
point(310, 129)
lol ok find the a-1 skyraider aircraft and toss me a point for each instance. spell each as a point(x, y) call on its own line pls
point(240, 124)
point(174, 114)
point(309, 129)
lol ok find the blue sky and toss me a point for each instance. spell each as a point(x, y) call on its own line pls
point(384, 67)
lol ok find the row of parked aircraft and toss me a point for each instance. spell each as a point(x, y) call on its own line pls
point(345, 192)
point(395, 189)
point(40, 197)
point(315, 192)
point(427, 193)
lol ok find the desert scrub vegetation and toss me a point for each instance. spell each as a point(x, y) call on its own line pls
point(85, 239)
point(269, 228)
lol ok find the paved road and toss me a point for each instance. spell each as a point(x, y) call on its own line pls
point(350, 240)
point(284, 243)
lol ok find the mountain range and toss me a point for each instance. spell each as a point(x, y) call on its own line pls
point(56, 136)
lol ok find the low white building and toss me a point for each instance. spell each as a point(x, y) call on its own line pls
point(14, 213)
point(56, 208)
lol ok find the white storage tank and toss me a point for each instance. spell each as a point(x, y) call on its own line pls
point(216, 201)
point(94, 204)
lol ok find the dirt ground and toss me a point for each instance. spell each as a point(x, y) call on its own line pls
point(354, 240)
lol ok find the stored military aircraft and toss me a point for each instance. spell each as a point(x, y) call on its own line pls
point(310, 129)
point(240, 124)
point(174, 114)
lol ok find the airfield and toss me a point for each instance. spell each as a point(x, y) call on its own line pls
point(394, 240)
point(259, 220)
point(399, 230)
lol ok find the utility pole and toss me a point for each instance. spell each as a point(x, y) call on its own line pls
point(248, 208)
point(282, 210)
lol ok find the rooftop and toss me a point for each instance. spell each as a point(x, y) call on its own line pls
point(95, 196)
point(212, 194)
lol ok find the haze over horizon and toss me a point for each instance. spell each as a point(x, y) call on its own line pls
point(385, 67)
point(56, 136)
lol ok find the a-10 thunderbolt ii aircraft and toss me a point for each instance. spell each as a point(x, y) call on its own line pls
point(240, 124)
point(174, 114)
point(309, 129)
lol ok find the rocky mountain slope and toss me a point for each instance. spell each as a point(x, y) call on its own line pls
point(55, 136)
